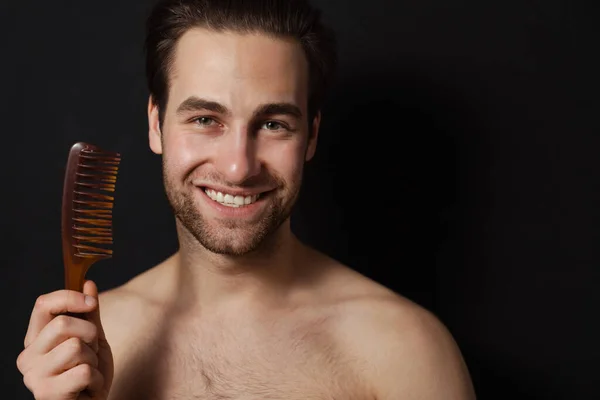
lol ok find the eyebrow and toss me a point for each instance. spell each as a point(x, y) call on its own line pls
point(278, 109)
point(197, 104)
point(194, 103)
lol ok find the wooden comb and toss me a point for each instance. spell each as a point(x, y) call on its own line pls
point(91, 173)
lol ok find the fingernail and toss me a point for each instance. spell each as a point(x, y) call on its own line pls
point(90, 301)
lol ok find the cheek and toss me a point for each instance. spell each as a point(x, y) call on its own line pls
point(286, 159)
point(183, 151)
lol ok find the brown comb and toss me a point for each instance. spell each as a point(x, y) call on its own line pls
point(87, 210)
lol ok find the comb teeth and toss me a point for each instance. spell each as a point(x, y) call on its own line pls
point(92, 212)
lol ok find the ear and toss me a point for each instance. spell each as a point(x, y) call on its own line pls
point(154, 134)
point(312, 138)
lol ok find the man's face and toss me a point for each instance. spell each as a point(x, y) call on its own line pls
point(235, 136)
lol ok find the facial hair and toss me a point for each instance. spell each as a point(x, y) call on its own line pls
point(229, 236)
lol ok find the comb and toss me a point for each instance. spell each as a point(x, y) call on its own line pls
point(87, 204)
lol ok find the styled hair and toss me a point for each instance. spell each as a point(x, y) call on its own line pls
point(296, 19)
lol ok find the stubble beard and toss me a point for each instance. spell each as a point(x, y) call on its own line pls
point(231, 237)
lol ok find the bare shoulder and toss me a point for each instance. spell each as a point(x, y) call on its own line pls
point(120, 311)
point(129, 309)
point(403, 350)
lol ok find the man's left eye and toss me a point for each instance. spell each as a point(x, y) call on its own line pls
point(273, 126)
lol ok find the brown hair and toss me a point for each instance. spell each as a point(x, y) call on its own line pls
point(170, 19)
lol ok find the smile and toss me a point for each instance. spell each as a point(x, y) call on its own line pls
point(230, 200)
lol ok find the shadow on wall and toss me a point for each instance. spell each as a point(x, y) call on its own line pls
point(385, 192)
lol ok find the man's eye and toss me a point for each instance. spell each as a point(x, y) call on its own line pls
point(273, 126)
point(205, 121)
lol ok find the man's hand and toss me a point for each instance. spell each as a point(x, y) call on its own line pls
point(67, 358)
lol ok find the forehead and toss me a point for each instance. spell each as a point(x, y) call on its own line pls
point(235, 68)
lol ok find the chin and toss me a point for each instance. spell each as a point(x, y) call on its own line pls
point(232, 241)
point(230, 246)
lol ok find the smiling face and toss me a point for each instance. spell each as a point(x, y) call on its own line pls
point(235, 136)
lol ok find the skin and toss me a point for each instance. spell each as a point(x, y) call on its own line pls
point(243, 310)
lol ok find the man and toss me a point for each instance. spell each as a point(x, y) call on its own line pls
point(243, 310)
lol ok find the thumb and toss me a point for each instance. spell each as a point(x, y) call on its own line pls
point(90, 289)
point(105, 358)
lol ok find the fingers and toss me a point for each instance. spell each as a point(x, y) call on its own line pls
point(67, 355)
point(62, 328)
point(67, 385)
point(48, 306)
point(80, 378)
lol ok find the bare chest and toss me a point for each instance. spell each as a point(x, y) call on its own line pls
point(237, 364)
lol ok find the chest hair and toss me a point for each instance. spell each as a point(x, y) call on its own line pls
point(294, 362)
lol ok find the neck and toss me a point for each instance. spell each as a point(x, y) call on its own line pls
point(211, 280)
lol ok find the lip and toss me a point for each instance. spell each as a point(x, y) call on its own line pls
point(233, 212)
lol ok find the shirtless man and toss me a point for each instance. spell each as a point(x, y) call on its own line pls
point(243, 310)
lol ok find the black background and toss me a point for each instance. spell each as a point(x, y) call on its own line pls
point(457, 165)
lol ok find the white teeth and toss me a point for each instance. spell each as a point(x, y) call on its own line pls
point(230, 200)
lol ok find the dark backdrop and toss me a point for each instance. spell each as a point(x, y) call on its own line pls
point(457, 165)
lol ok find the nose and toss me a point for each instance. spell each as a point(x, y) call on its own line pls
point(236, 159)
